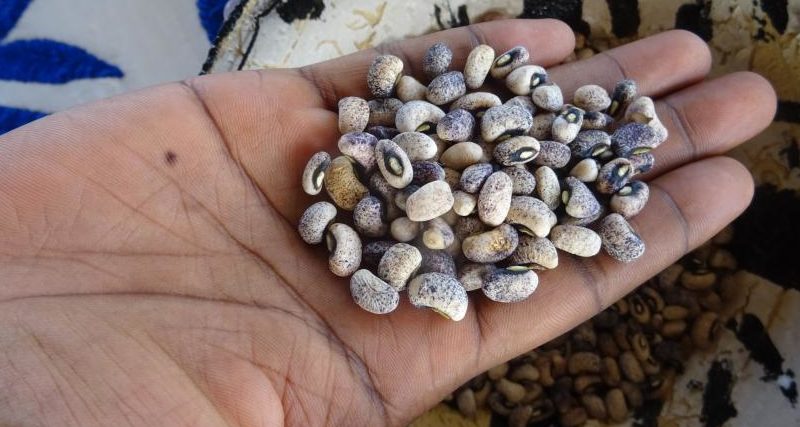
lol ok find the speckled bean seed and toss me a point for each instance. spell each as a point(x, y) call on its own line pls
point(360, 146)
point(476, 102)
point(548, 187)
point(383, 111)
point(479, 62)
point(576, 240)
point(473, 275)
point(531, 215)
point(437, 234)
point(410, 89)
point(314, 172)
point(586, 170)
point(505, 120)
point(630, 199)
point(368, 217)
point(491, 246)
point(537, 253)
point(523, 182)
point(542, 124)
point(567, 124)
point(404, 230)
point(343, 185)
point(509, 61)
point(548, 97)
point(494, 199)
point(353, 114)
point(552, 154)
point(524, 79)
point(430, 201)
point(315, 221)
point(441, 293)
point(619, 239)
point(461, 155)
point(613, 176)
point(393, 163)
point(457, 125)
point(510, 284)
point(420, 116)
point(383, 75)
point(399, 264)
point(436, 60)
point(373, 294)
point(464, 203)
point(591, 98)
point(446, 88)
point(578, 200)
point(516, 150)
point(624, 92)
point(344, 246)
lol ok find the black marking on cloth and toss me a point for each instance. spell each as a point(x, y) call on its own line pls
point(788, 111)
point(694, 17)
point(648, 414)
point(625, 18)
point(569, 11)
point(458, 19)
point(717, 405)
point(778, 12)
point(293, 10)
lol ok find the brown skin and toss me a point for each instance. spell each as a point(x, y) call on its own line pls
point(151, 274)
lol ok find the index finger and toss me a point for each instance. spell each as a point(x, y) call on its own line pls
point(549, 41)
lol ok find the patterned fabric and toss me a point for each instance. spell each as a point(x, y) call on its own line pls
point(48, 64)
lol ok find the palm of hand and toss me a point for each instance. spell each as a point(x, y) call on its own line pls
point(151, 273)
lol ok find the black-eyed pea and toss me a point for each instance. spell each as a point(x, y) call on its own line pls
point(398, 264)
point(633, 139)
point(531, 215)
point(457, 125)
point(401, 196)
point(597, 120)
point(640, 346)
point(541, 125)
point(548, 97)
point(567, 124)
point(379, 186)
point(673, 328)
point(586, 383)
point(344, 246)
point(590, 144)
point(578, 200)
point(373, 294)
point(619, 239)
point(510, 284)
point(513, 392)
point(417, 145)
point(574, 417)
point(452, 177)
point(505, 121)
point(591, 98)
point(520, 416)
point(620, 334)
point(437, 234)
point(436, 60)
point(609, 371)
point(473, 276)
point(650, 366)
point(516, 150)
point(523, 182)
point(435, 261)
point(342, 183)
point(614, 175)
point(491, 246)
point(468, 226)
point(652, 298)
point(524, 373)
point(534, 252)
point(466, 403)
point(499, 405)
point(548, 187)
point(675, 312)
point(631, 367)
point(462, 155)
point(393, 163)
point(642, 110)
point(699, 280)
point(583, 362)
point(494, 199)
point(509, 61)
point(586, 170)
point(372, 253)
point(705, 329)
point(418, 116)
point(446, 88)
point(630, 199)
point(384, 132)
point(410, 89)
point(642, 163)
point(595, 406)
point(616, 406)
point(353, 114)
point(403, 229)
point(464, 203)
point(315, 221)
point(473, 177)
point(522, 101)
point(425, 171)
point(439, 292)
point(430, 201)
point(639, 310)
point(314, 173)
point(476, 103)
point(552, 154)
point(524, 79)
point(576, 240)
point(360, 146)
point(633, 393)
point(383, 75)
point(479, 62)
point(368, 217)
point(622, 95)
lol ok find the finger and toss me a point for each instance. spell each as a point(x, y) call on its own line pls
point(548, 41)
point(660, 64)
point(712, 117)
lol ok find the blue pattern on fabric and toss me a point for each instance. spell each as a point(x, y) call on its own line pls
point(210, 12)
point(10, 12)
point(12, 118)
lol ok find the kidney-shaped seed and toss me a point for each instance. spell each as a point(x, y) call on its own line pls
point(509, 61)
point(343, 185)
point(353, 114)
point(441, 293)
point(548, 97)
point(531, 215)
point(473, 275)
point(591, 98)
point(523, 182)
point(633, 138)
point(478, 64)
point(344, 246)
point(314, 173)
point(368, 217)
point(410, 89)
point(315, 221)
point(436, 60)
point(416, 145)
point(619, 239)
point(505, 120)
point(393, 163)
point(430, 201)
point(476, 102)
point(614, 175)
point(552, 154)
point(537, 253)
point(437, 234)
point(622, 95)
point(398, 264)
point(524, 79)
point(630, 199)
point(510, 285)
point(548, 188)
point(360, 146)
point(491, 246)
point(461, 155)
point(446, 88)
point(383, 74)
point(578, 200)
point(373, 294)
point(418, 116)
point(494, 199)
point(382, 111)
point(516, 150)
point(576, 240)
point(457, 125)
point(586, 170)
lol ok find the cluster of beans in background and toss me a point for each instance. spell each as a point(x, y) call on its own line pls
point(624, 358)
point(450, 188)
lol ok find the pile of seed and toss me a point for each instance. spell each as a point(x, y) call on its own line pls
point(453, 191)
point(623, 359)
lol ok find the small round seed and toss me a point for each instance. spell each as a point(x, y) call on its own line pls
point(430, 201)
point(383, 75)
point(353, 114)
point(464, 203)
point(437, 234)
point(315, 221)
point(416, 145)
point(344, 246)
point(426, 171)
point(404, 230)
point(619, 239)
point(524, 79)
point(576, 240)
point(446, 88)
point(436, 60)
point(473, 275)
point(624, 92)
point(502, 120)
point(441, 293)
point(567, 124)
point(457, 125)
point(314, 172)
point(343, 185)
point(510, 285)
point(586, 170)
point(531, 215)
point(516, 150)
point(491, 246)
point(476, 103)
point(633, 138)
point(542, 124)
point(579, 201)
point(461, 155)
point(478, 64)
point(399, 264)
point(383, 111)
point(373, 294)
point(509, 61)
point(537, 253)
point(494, 200)
point(614, 175)
point(368, 217)
point(591, 98)
point(548, 97)
point(419, 116)
point(393, 163)
point(552, 154)
point(630, 199)
point(360, 146)
point(523, 182)
point(597, 120)
point(410, 89)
